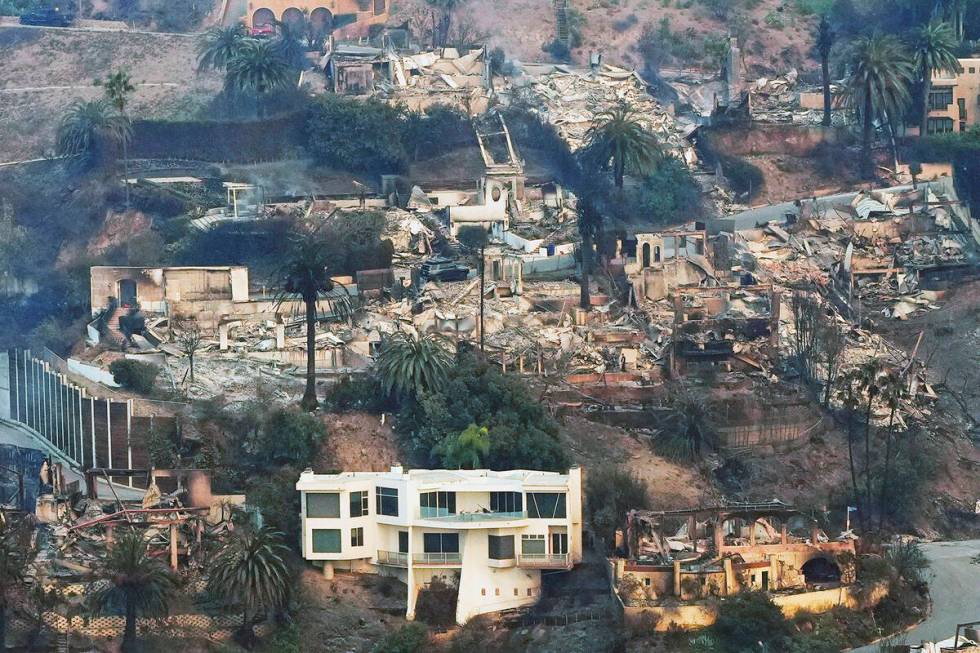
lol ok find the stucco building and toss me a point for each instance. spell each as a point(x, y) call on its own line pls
point(491, 534)
point(954, 99)
point(353, 16)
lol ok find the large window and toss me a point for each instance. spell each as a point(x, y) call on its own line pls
point(358, 504)
point(940, 98)
point(440, 542)
point(437, 504)
point(506, 502)
point(533, 545)
point(357, 536)
point(323, 504)
point(326, 540)
point(546, 505)
point(939, 125)
point(387, 501)
point(501, 547)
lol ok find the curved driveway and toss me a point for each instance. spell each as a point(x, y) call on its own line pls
point(955, 589)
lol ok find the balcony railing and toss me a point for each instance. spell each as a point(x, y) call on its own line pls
point(392, 558)
point(543, 560)
point(430, 513)
point(437, 558)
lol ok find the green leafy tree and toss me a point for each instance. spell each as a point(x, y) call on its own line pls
point(934, 45)
point(135, 581)
point(258, 67)
point(610, 493)
point(14, 550)
point(825, 43)
point(409, 366)
point(220, 46)
point(87, 124)
point(356, 135)
point(466, 450)
point(306, 272)
point(618, 136)
point(878, 86)
point(250, 571)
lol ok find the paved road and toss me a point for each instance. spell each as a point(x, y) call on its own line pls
point(955, 589)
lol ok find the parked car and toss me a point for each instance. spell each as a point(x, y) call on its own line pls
point(48, 17)
point(262, 31)
point(443, 269)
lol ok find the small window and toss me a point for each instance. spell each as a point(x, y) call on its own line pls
point(546, 505)
point(358, 504)
point(496, 591)
point(530, 592)
point(402, 541)
point(357, 536)
point(533, 545)
point(483, 591)
point(323, 505)
point(386, 501)
point(326, 540)
point(646, 581)
point(501, 547)
point(973, 70)
point(515, 592)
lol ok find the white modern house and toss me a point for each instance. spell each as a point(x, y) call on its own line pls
point(491, 533)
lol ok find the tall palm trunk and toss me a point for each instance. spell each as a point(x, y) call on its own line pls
point(825, 67)
point(245, 635)
point(3, 627)
point(866, 163)
point(129, 635)
point(483, 292)
point(924, 116)
point(585, 299)
point(867, 452)
point(619, 169)
point(125, 147)
point(885, 480)
point(309, 401)
point(850, 458)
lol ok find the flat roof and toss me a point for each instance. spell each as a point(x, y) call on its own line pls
point(459, 477)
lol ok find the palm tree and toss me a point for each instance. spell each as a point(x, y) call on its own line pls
point(250, 571)
point(13, 559)
point(617, 135)
point(825, 43)
point(219, 46)
point(135, 581)
point(935, 52)
point(118, 86)
point(466, 450)
point(86, 123)
point(290, 46)
point(305, 272)
point(258, 67)
point(879, 84)
point(892, 393)
point(409, 366)
point(693, 415)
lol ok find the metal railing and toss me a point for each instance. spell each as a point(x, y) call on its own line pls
point(542, 560)
point(437, 558)
point(392, 558)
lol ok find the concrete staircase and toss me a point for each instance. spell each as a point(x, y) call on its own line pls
point(563, 33)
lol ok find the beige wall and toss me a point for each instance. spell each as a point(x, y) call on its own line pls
point(367, 11)
point(155, 286)
point(966, 86)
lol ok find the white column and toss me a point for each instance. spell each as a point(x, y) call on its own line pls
point(108, 432)
point(16, 388)
point(92, 416)
point(129, 442)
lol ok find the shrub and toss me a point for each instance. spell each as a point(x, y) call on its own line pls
point(747, 619)
point(362, 393)
point(410, 638)
point(623, 24)
point(289, 437)
point(137, 376)
point(353, 134)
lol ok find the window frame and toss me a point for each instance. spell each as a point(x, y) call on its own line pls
point(383, 497)
point(945, 98)
point(509, 501)
point(313, 540)
point(445, 504)
point(443, 539)
point(534, 507)
point(493, 542)
point(336, 495)
point(535, 538)
point(357, 536)
point(362, 500)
